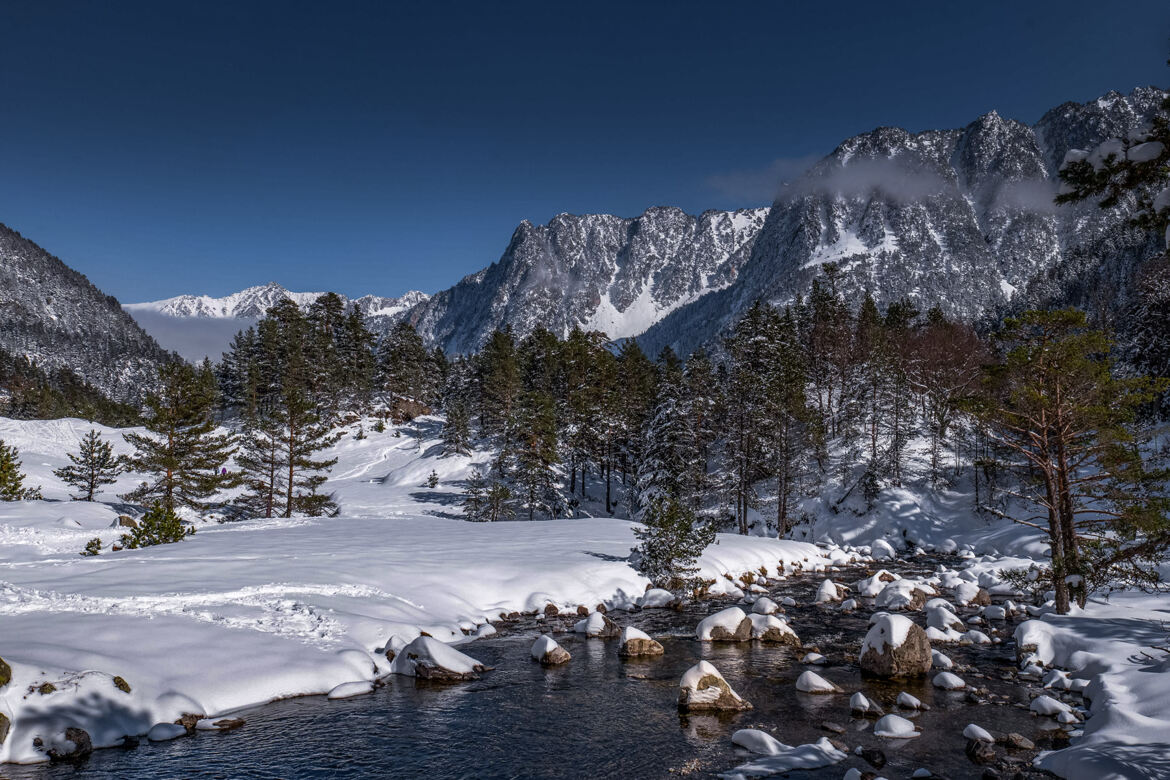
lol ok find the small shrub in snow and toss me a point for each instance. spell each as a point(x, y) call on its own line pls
point(92, 547)
point(433, 479)
point(159, 525)
point(12, 479)
point(671, 540)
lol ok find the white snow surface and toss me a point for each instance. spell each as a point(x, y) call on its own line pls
point(727, 619)
point(895, 727)
point(776, 757)
point(889, 630)
point(265, 609)
point(811, 682)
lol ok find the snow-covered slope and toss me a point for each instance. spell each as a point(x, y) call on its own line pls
point(55, 316)
point(962, 219)
point(595, 271)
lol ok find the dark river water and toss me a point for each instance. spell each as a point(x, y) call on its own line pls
point(597, 716)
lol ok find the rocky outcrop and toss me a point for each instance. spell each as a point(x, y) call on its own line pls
point(728, 625)
point(895, 646)
point(703, 689)
point(547, 652)
point(637, 644)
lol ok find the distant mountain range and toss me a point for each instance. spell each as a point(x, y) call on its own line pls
point(962, 219)
point(198, 326)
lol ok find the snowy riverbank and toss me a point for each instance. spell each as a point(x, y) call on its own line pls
point(244, 613)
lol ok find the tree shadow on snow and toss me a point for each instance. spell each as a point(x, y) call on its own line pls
point(607, 556)
point(443, 498)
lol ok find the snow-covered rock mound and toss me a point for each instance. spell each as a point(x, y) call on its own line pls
point(430, 659)
point(547, 652)
point(636, 643)
point(703, 688)
point(895, 646)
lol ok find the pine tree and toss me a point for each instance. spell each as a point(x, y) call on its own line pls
point(95, 465)
point(181, 450)
point(408, 371)
point(159, 525)
point(702, 404)
point(485, 499)
point(670, 541)
point(12, 479)
point(788, 414)
point(498, 375)
point(302, 435)
point(1055, 406)
point(263, 461)
point(745, 442)
point(669, 451)
point(457, 429)
point(536, 456)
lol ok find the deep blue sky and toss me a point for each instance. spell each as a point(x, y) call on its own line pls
point(167, 147)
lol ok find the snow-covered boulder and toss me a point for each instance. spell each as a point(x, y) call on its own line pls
point(636, 643)
point(728, 625)
point(430, 659)
point(765, 606)
point(895, 727)
point(881, 550)
point(703, 689)
point(872, 585)
point(788, 601)
point(769, 628)
point(904, 595)
point(597, 625)
point(908, 702)
point(949, 682)
point(1046, 705)
point(657, 598)
point(895, 646)
point(970, 593)
point(978, 733)
point(74, 744)
point(815, 659)
point(941, 660)
point(811, 682)
point(848, 605)
point(547, 652)
point(942, 618)
point(860, 705)
point(829, 592)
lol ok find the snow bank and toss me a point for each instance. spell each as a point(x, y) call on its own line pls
point(1113, 645)
point(267, 609)
point(778, 757)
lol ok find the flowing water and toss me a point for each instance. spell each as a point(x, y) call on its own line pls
point(599, 716)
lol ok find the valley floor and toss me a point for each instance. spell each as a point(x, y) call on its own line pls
point(245, 613)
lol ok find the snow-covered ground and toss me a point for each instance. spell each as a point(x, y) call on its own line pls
point(244, 613)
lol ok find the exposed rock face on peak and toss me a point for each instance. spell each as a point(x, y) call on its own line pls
point(597, 272)
point(962, 219)
point(56, 317)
